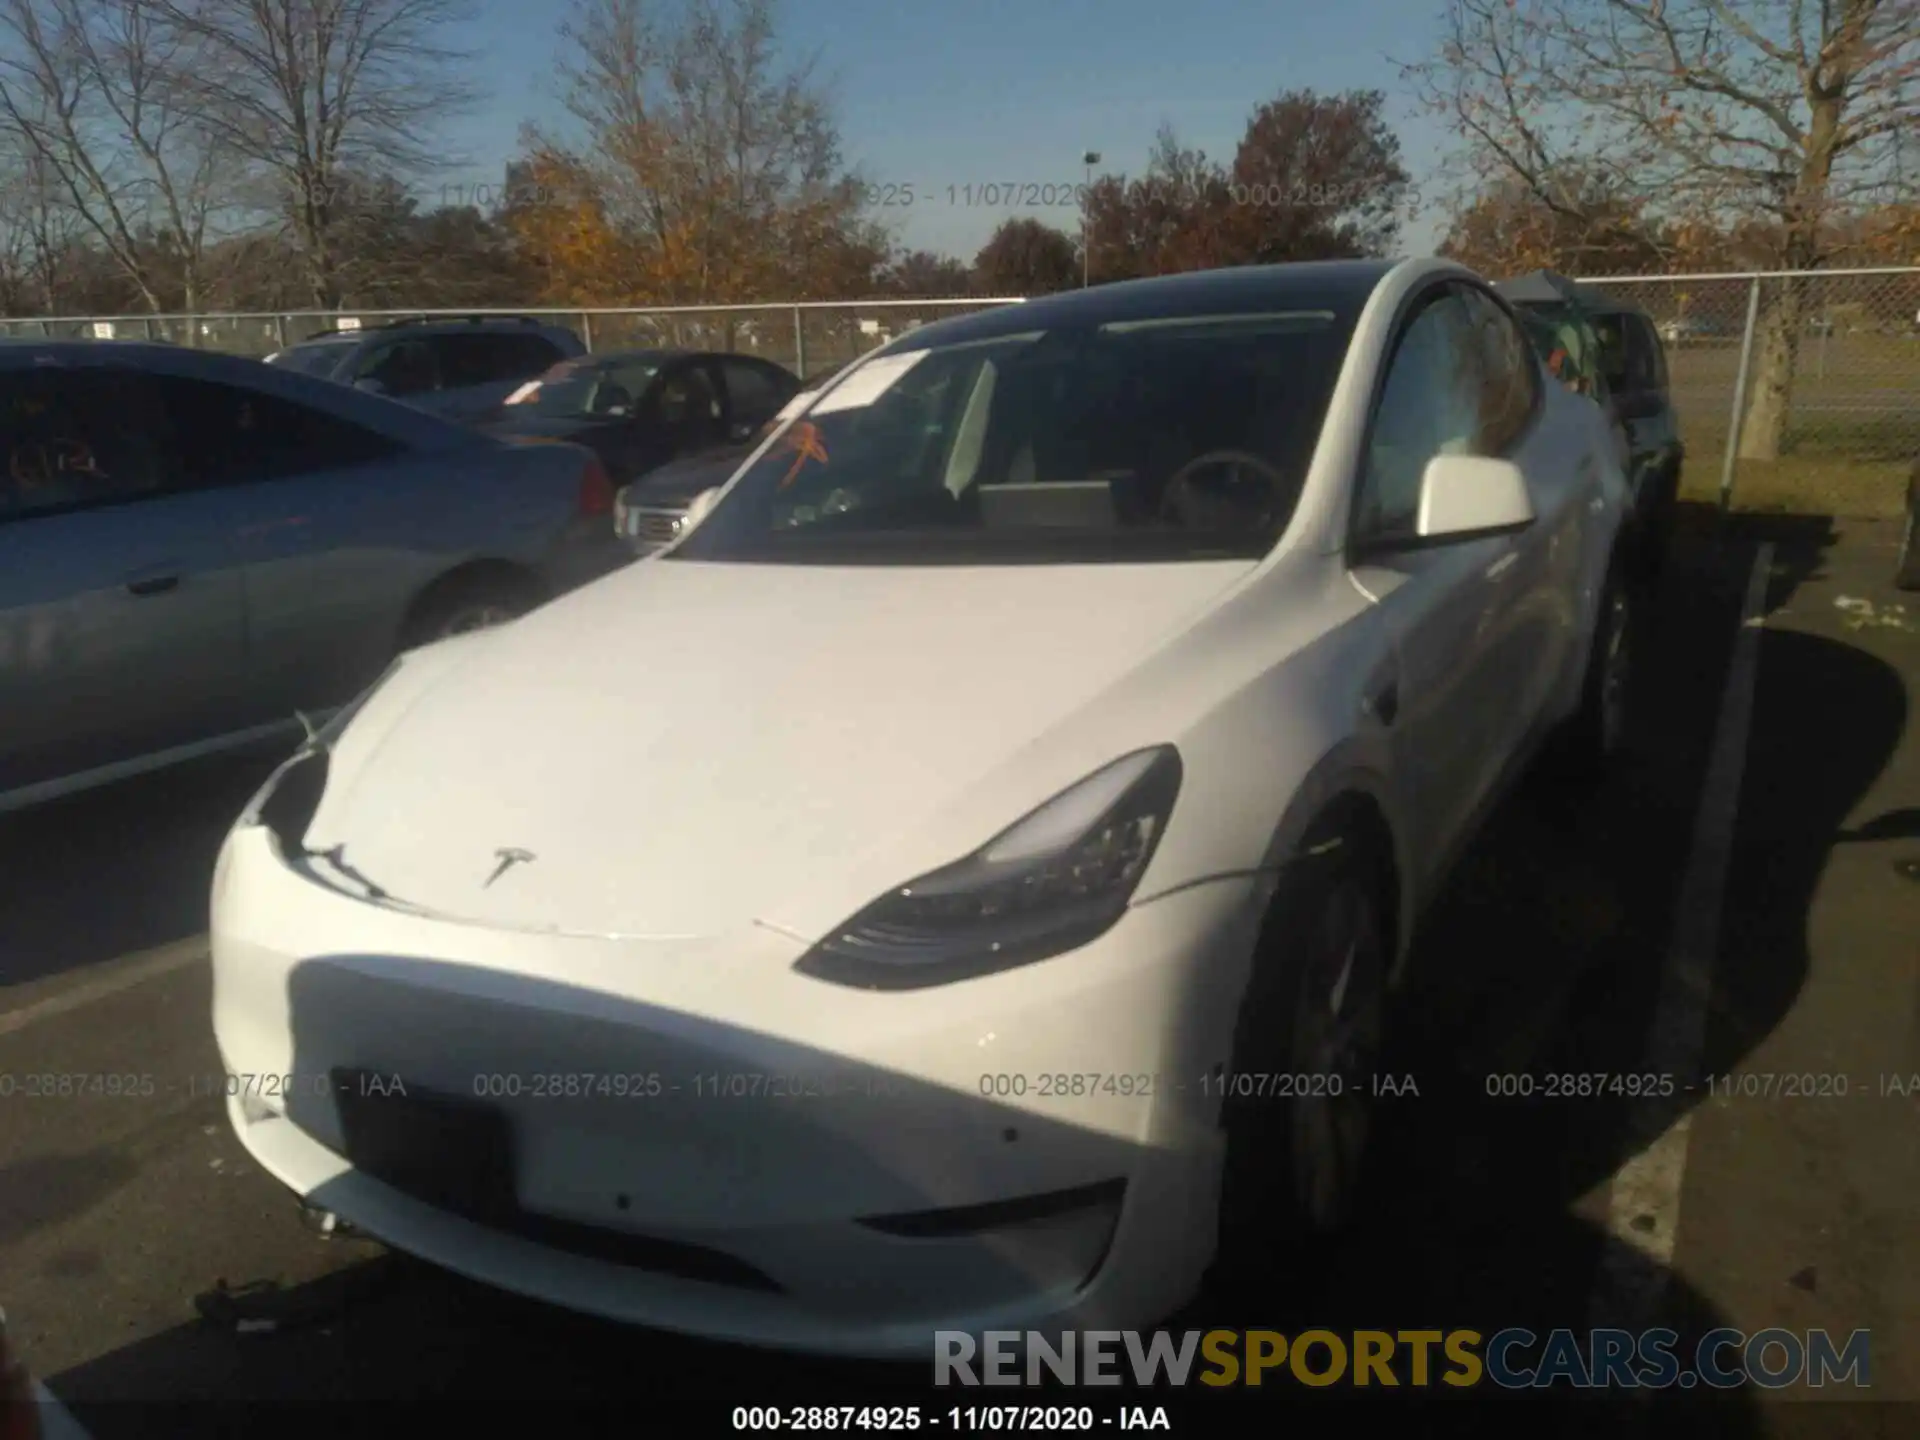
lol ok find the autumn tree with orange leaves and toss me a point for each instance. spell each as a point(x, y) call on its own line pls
point(701, 167)
point(1026, 257)
point(1774, 113)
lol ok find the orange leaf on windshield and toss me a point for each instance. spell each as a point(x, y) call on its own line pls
point(805, 438)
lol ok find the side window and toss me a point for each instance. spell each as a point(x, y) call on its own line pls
point(406, 367)
point(472, 359)
point(226, 435)
point(1430, 405)
point(1509, 378)
point(75, 438)
point(686, 401)
point(755, 393)
point(520, 357)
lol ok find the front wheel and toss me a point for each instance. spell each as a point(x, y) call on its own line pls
point(1656, 525)
point(1297, 1107)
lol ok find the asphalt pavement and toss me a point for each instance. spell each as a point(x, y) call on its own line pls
point(158, 1282)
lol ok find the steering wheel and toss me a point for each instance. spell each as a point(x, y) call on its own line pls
point(1176, 499)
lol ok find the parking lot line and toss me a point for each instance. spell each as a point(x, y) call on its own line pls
point(1643, 1211)
point(56, 1421)
point(121, 974)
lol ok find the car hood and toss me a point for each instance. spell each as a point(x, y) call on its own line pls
point(685, 748)
point(513, 427)
point(673, 486)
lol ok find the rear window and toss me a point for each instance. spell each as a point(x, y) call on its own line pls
point(321, 357)
point(1630, 353)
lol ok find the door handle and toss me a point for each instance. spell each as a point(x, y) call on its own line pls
point(1383, 704)
point(1500, 567)
point(153, 585)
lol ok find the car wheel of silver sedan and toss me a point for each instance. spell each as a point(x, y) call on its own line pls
point(481, 616)
point(462, 604)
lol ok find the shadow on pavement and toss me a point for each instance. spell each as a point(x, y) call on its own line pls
point(124, 868)
point(1545, 958)
point(47, 1189)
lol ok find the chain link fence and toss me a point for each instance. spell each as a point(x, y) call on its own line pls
point(807, 338)
point(1795, 390)
point(1800, 390)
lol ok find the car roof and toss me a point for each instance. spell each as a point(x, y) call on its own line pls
point(603, 359)
point(413, 427)
point(1539, 287)
point(600, 359)
point(435, 325)
point(1548, 287)
point(1341, 286)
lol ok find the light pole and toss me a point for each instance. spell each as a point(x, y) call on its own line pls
point(1090, 159)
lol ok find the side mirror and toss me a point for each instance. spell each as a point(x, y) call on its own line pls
point(1462, 496)
point(372, 386)
point(701, 507)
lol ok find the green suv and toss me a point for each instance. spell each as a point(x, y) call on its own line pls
point(1603, 347)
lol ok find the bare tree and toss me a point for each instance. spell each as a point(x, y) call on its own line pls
point(717, 163)
point(318, 93)
point(96, 92)
point(39, 233)
point(1786, 109)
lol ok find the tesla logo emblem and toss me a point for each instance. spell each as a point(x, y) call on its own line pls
point(508, 859)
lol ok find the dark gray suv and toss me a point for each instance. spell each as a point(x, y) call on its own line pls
point(459, 367)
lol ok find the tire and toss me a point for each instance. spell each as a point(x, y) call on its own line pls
point(1595, 737)
point(461, 603)
point(1295, 1166)
point(1656, 533)
point(1906, 573)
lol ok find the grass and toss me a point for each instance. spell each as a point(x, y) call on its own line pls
point(1801, 484)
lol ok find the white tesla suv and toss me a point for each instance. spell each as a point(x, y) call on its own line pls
point(958, 884)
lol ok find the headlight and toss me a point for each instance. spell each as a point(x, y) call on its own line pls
point(1054, 881)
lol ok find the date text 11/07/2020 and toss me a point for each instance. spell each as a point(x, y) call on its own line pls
point(103, 1085)
point(811, 1418)
point(1042, 195)
point(1737, 1085)
point(1218, 1084)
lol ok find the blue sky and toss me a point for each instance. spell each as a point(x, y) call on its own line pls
point(939, 95)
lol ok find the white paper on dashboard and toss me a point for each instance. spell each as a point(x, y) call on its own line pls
point(868, 383)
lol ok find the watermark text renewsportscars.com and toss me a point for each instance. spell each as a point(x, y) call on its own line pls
point(1513, 1359)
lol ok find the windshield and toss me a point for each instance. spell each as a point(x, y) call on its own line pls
point(581, 392)
point(1183, 438)
point(317, 357)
